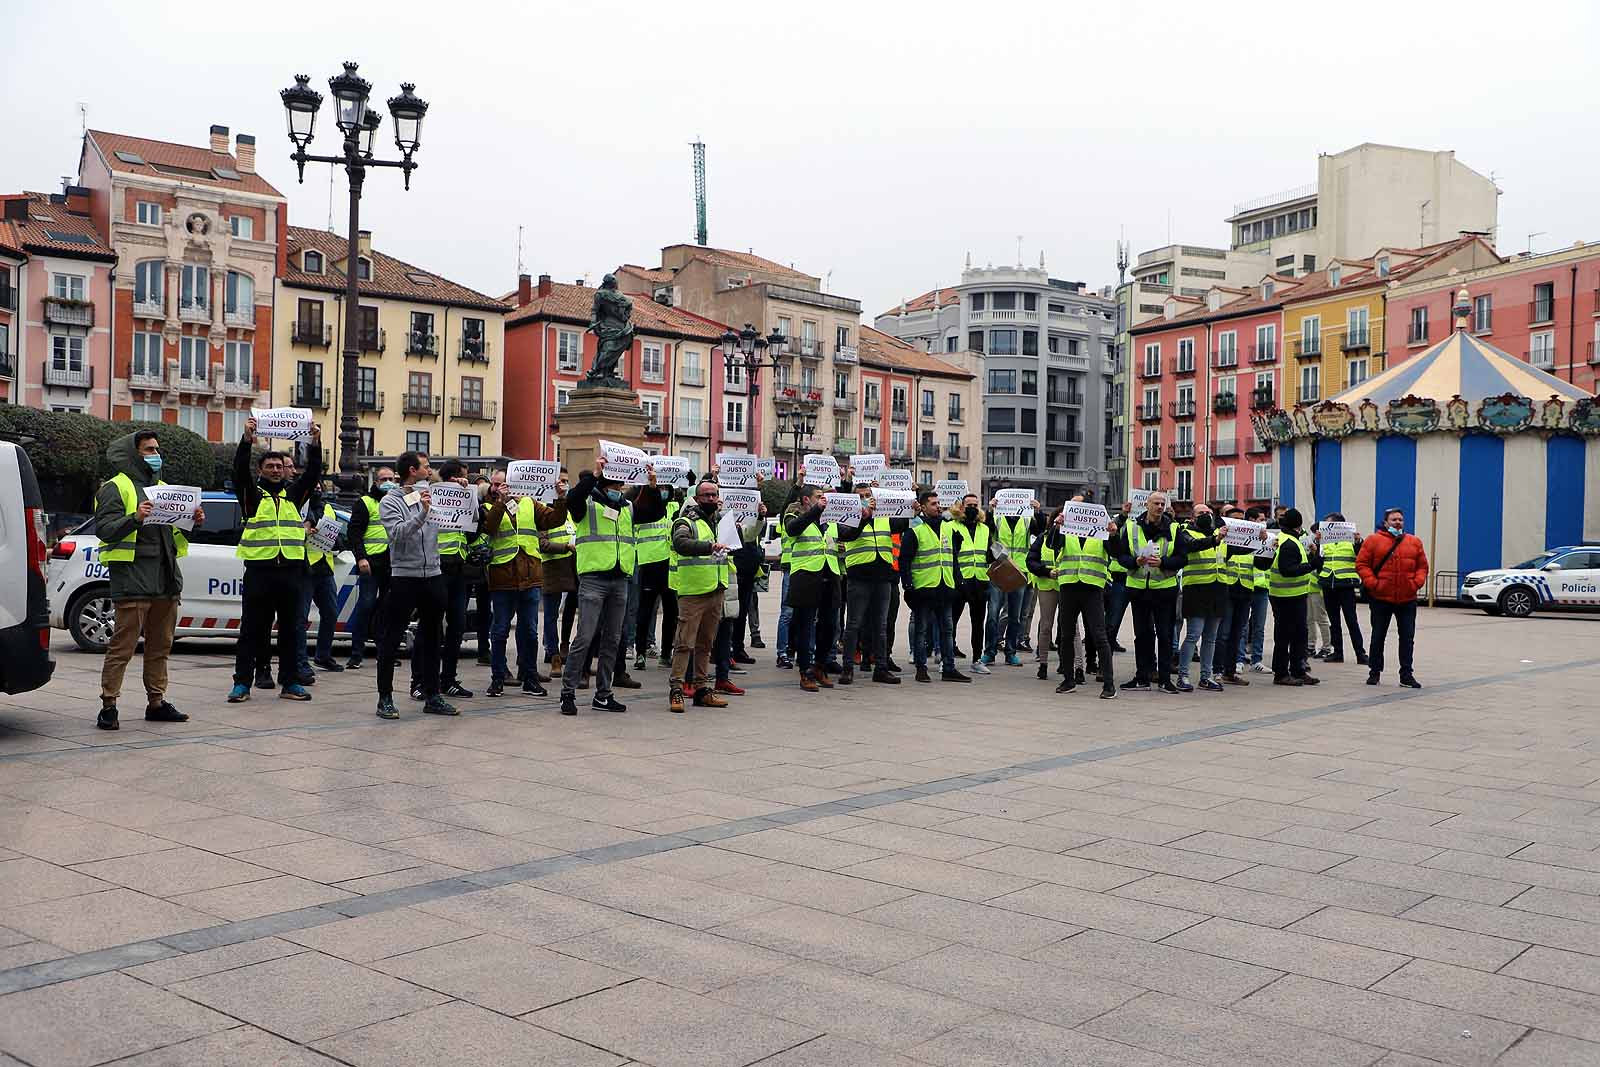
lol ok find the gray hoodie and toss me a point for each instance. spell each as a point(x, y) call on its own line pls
point(413, 544)
point(154, 573)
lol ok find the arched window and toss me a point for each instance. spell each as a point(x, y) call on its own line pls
point(241, 294)
point(312, 261)
point(147, 278)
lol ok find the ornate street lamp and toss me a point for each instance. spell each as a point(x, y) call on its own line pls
point(358, 124)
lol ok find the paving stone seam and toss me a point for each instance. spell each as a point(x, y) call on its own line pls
point(80, 965)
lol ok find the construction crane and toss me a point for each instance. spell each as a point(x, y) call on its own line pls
point(699, 192)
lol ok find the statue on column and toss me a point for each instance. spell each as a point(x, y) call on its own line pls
point(611, 321)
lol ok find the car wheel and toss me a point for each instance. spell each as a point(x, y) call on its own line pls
point(91, 618)
point(1518, 601)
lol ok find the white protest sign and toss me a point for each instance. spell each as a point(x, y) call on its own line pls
point(736, 470)
point(671, 471)
point(1013, 502)
point(172, 505)
point(821, 470)
point(624, 463)
point(767, 468)
point(534, 478)
point(843, 508)
point(743, 503)
point(950, 491)
point(1242, 533)
point(868, 467)
point(283, 424)
point(1139, 497)
point(1083, 519)
point(728, 531)
point(453, 507)
point(1338, 532)
point(893, 503)
point(895, 478)
point(326, 536)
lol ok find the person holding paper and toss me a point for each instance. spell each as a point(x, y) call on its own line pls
point(928, 576)
point(560, 584)
point(416, 585)
point(1005, 634)
point(452, 568)
point(369, 544)
point(813, 586)
point(1339, 583)
point(1318, 633)
point(971, 536)
point(1291, 570)
point(1117, 588)
point(319, 589)
point(652, 567)
point(1153, 553)
point(604, 522)
point(1239, 586)
point(701, 568)
point(1205, 580)
point(1079, 568)
point(515, 577)
point(273, 547)
point(146, 580)
point(869, 564)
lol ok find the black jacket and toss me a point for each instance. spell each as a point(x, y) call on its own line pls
point(647, 503)
point(249, 493)
point(356, 531)
point(1120, 549)
point(908, 556)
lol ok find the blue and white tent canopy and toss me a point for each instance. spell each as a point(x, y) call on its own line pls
point(1460, 365)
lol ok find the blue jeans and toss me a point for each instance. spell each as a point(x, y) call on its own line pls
point(785, 618)
point(525, 604)
point(932, 618)
point(1012, 602)
point(1224, 659)
point(1201, 631)
point(319, 589)
point(369, 587)
point(722, 650)
point(1259, 609)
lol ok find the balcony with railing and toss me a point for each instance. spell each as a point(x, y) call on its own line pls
point(151, 307)
point(927, 450)
point(312, 396)
point(1417, 333)
point(473, 350)
point(1593, 357)
point(60, 311)
point(1225, 357)
point(1181, 409)
point(1225, 403)
point(1222, 448)
point(193, 379)
point(1308, 349)
point(806, 347)
point(1182, 450)
point(957, 453)
point(421, 404)
point(1260, 491)
point(1148, 453)
point(1070, 438)
point(1012, 472)
point(422, 343)
point(1262, 400)
point(1183, 368)
point(310, 334)
point(1004, 315)
point(1150, 370)
point(193, 310)
point(1147, 412)
point(954, 417)
point(372, 340)
point(844, 403)
point(1355, 340)
point(236, 384)
point(1541, 311)
point(476, 409)
point(872, 409)
point(691, 427)
point(240, 318)
point(1264, 353)
point(1064, 397)
point(146, 376)
point(845, 354)
point(68, 377)
point(899, 415)
point(695, 376)
point(1256, 446)
point(1543, 358)
point(1311, 395)
point(369, 401)
point(1224, 491)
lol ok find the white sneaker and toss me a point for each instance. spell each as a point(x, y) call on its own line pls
point(978, 667)
point(1259, 668)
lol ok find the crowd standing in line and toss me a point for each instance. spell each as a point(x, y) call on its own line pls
point(598, 563)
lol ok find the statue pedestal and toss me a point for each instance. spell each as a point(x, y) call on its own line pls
point(594, 413)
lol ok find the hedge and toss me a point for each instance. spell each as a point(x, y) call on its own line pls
point(68, 452)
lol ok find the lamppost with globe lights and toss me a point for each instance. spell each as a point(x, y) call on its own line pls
point(750, 351)
point(358, 124)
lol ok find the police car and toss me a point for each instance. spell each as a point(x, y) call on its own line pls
point(1558, 578)
point(25, 662)
point(213, 580)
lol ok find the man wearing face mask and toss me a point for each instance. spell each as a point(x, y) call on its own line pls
point(273, 547)
point(971, 535)
point(1078, 568)
point(369, 544)
point(1291, 571)
point(869, 563)
point(1393, 566)
point(928, 575)
point(1149, 547)
point(515, 577)
point(560, 584)
point(701, 568)
point(146, 580)
point(1205, 582)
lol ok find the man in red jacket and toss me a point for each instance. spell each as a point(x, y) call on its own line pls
point(1393, 567)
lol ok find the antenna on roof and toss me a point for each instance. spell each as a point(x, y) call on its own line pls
point(519, 252)
point(699, 191)
point(1019, 250)
point(83, 118)
point(1122, 257)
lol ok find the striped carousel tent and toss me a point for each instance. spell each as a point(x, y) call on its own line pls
point(1496, 442)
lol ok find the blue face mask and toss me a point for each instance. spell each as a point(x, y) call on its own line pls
point(388, 487)
point(153, 462)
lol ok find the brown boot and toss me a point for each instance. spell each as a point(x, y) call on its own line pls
point(675, 701)
point(820, 676)
point(556, 664)
point(707, 698)
point(807, 682)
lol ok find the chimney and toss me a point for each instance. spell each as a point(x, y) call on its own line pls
point(545, 285)
point(77, 197)
point(524, 289)
point(246, 153)
point(16, 209)
point(364, 243)
point(219, 139)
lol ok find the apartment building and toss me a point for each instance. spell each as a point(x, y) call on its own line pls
point(56, 304)
point(1544, 308)
point(675, 366)
point(1047, 352)
point(198, 235)
point(920, 410)
point(741, 288)
point(432, 350)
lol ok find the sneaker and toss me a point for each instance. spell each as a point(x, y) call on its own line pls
point(953, 676)
point(833, 666)
point(455, 689)
point(497, 688)
point(922, 675)
point(1211, 685)
point(330, 665)
point(743, 657)
point(1136, 686)
point(162, 712)
point(569, 703)
point(416, 691)
point(729, 688)
point(264, 680)
point(1109, 692)
point(979, 667)
point(885, 677)
point(530, 687)
point(1025, 645)
point(353, 663)
point(239, 694)
point(438, 705)
point(987, 660)
point(1409, 681)
point(386, 708)
point(625, 681)
point(1077, 676)
point(1117, 648)
point(675, 701)
point(960, 654)
point(1325, 652)
point(1067, 685)
point(756, 642)
point(1168, 687)
point(1044, 670)
point(1183, 685)
point(107, 719)
point(1372, 678)
point(1234, 679)
point(1334, 657)
point(307, 678)
point(1258, 668)
point(736, 669)
point(707, 698)
point(784, 664)
point(294, 692)
point(611, 704)
point(665, 661)
point(1013, 660)
point(1361, 658)
point(1306, 679)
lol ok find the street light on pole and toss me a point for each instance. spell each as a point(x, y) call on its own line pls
point(358, 124)
point(1433, 546)
point(747, 349)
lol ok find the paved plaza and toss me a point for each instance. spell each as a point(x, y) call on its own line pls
point(940, 874)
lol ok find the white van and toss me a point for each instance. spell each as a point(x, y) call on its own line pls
point(24, 609)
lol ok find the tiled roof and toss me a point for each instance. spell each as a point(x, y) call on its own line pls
point(724, 257)
point(1243, 305)
point(649, 274)
point(1366, 276)
point(392, 278)
point(572, 303)
point(937, 298)
point(50, 230)
point(878, 349)
point(188, 158)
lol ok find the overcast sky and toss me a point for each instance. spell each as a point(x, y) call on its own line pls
point(872, 143)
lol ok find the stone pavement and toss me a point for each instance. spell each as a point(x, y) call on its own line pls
point(872, 877)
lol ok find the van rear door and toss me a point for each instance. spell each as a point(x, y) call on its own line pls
point(25, 662)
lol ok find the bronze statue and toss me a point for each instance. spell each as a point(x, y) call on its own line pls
point(611, 321)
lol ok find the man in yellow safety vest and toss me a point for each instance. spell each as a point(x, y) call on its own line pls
point(1152, 550)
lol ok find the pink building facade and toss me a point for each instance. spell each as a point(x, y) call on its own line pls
point(1544, 309)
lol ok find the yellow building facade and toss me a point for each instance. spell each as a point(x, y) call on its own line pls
point(1333, 338)
point(431, 372)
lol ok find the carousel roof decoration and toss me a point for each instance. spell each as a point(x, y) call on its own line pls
point(1462, 384)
